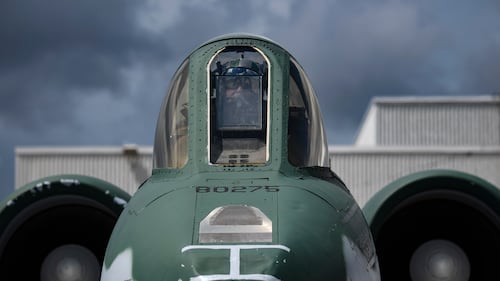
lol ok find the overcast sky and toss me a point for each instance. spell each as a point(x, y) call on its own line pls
point(94, 72)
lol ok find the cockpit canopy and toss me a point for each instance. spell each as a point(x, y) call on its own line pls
point(239, 113)
point(238, 83)
point(238, 107)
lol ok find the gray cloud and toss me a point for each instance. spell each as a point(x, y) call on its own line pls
point(58, 59)
point(354, 50)
point(54, 50)
point(94, 72)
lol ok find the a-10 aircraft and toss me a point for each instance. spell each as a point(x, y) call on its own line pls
point(242, 189)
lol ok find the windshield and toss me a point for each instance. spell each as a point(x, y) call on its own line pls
point(240, 103)
point(307, 145)
point(238, 107)
point(171, 139)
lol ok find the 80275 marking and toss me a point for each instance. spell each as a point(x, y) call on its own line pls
point(237, 189)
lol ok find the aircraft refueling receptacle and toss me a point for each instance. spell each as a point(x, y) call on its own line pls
point(241, 187)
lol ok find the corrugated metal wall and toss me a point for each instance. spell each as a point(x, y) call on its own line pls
point(365, 171)
point(412, 135)
point(438, 124)
point(122, 167)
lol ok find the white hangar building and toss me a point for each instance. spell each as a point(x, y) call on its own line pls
point(399, 136)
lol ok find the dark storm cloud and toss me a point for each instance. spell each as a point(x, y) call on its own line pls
point(485, 63)
point(355, 50)
point(94, 72)
point(54, 50)
point(59, 60)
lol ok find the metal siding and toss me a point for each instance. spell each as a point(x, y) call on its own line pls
point(424, 124)
point(364, 171)
point(367, 172)
point(412, 135)
point(125, 171)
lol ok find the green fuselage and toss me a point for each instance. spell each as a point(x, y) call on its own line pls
point(239, 199)
point(313, 221)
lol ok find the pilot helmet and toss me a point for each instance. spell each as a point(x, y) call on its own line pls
point(242, 67)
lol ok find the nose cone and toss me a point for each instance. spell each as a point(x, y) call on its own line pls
point(301, 237)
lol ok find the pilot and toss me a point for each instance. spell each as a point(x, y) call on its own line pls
point(238, 91)
point(241, 94)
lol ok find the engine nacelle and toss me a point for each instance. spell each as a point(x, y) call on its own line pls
point(57, 228)
point(436, 225)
